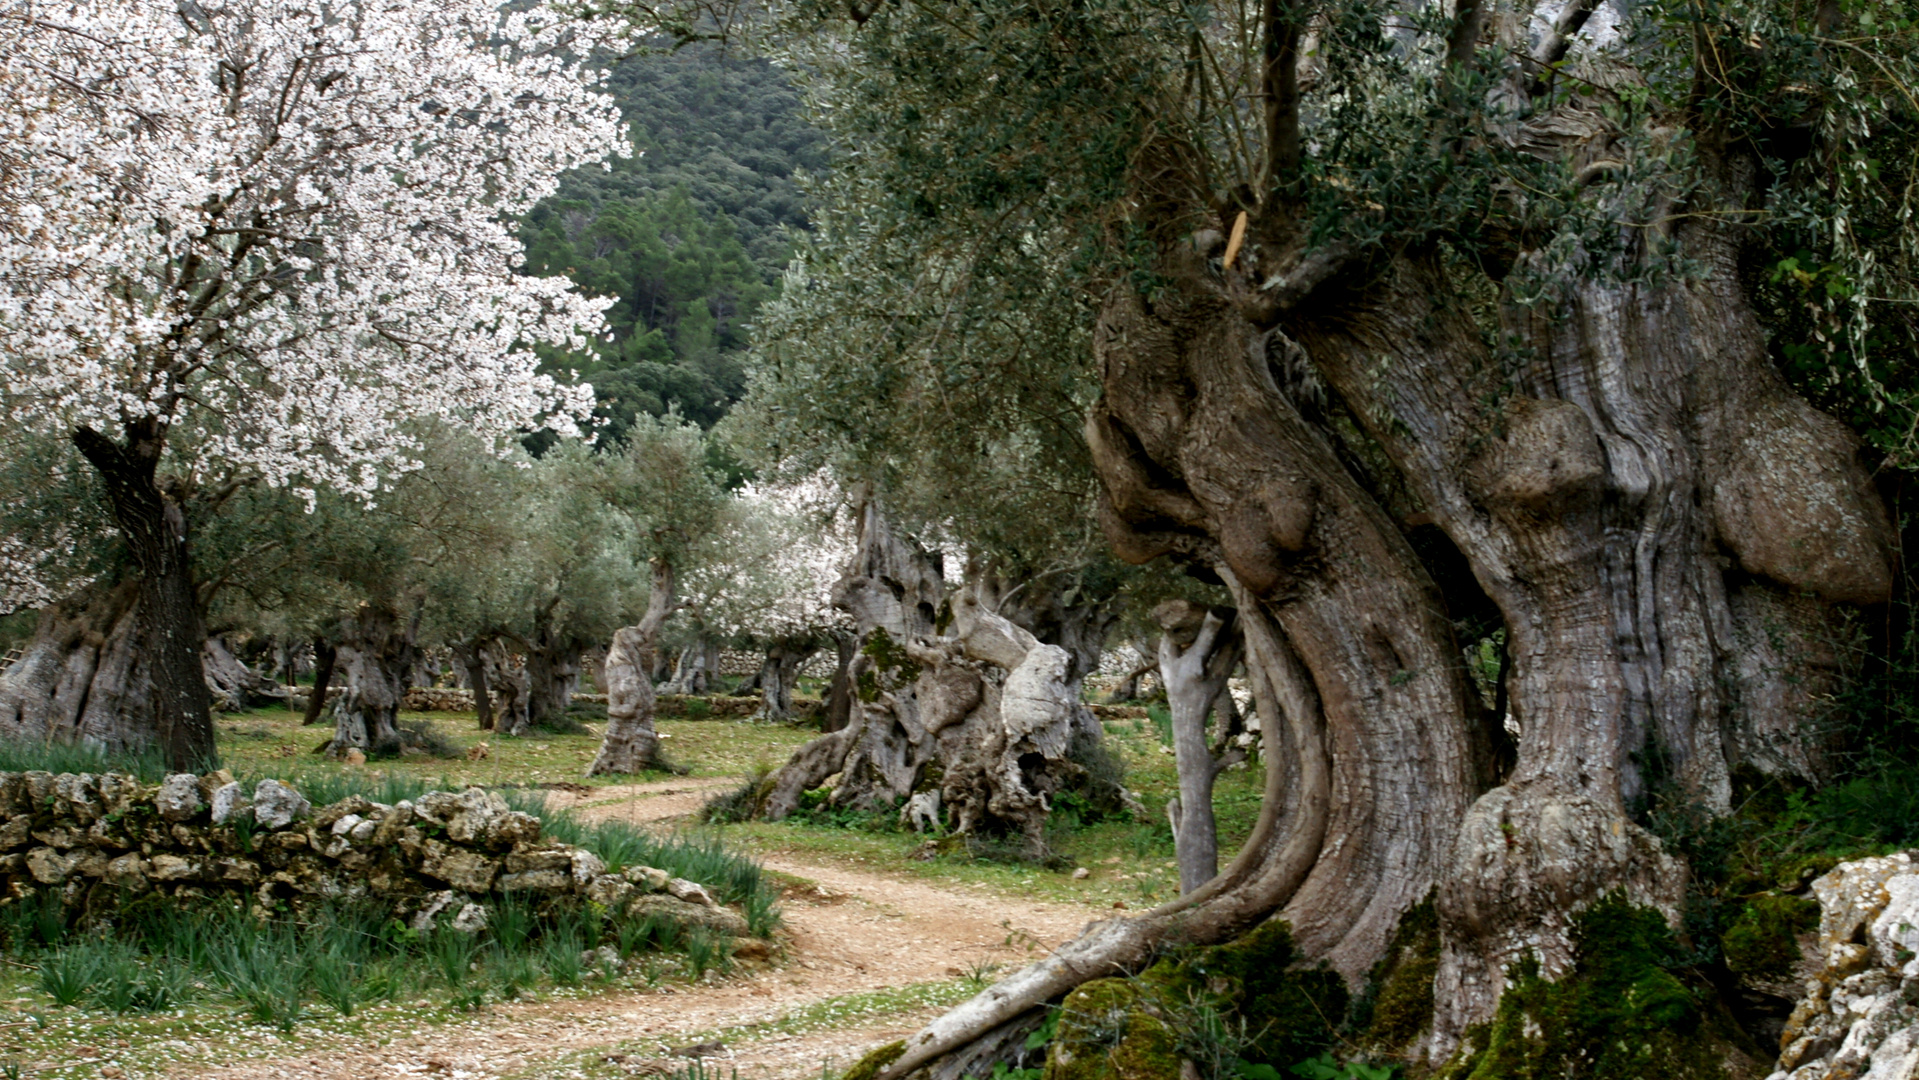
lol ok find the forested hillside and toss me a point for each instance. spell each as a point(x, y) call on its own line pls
point(689, 232)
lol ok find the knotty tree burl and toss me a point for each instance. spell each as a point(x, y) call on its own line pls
point(1375, 290)
point(251, 239)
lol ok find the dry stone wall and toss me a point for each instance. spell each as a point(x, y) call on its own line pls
point(99, 842)
point(1859, 1019)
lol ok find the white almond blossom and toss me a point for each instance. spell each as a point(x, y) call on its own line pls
point(281, 228)
point(774, 562)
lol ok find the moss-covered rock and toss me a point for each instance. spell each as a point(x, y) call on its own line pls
point(1623, 1011)
point(1763, 941)
point(1112, 1029)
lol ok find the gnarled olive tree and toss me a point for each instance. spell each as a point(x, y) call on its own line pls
point(1362, 274)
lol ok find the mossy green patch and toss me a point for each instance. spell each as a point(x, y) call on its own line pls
point(889, 657)
point(1291, 1010)
point(1764, 939)
point(1112, 1029)
point(1623, 1010)
point(1249, 1000)
point(1403, 1005)
point(869, 1066)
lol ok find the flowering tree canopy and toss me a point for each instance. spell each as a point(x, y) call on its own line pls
point(261, 235)
point(282, 225)
point(773, 563)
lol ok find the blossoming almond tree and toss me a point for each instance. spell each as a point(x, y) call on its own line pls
point(270, 231)
point(776, 559)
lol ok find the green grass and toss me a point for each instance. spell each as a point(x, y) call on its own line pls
point(271, 742)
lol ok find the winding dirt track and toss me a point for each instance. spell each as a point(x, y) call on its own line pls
point(856, 930)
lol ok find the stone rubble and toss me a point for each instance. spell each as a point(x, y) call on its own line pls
point(101, 841)
point(1859, 1019)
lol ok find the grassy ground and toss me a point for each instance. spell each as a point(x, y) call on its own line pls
point(272, 739)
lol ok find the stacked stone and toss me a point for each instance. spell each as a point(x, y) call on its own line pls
point(100, 842)
point(437, 699)
point(1860, 1016)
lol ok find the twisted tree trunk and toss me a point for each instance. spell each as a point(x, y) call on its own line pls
point(506, 675)
point(631, 744)
point(83, 675)
point(1638, 498)
point(779, 674)
point(472, 659)
point(552, 676)
point(697, 669)
point(233, 685)
point(839, 695)
point(376, 647)
point(992, 705)
point(1646, 498)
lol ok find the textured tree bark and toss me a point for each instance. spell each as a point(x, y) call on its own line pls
point(324, 657)
point(233, 685)
point(82, 676)
point(1205, 449)
point(472, 658)
point(839, 695)
point(376, 647)
point(552, 676)
point(779, 674)
point(1641, 496)
point(506, 676)
point(171, 634)
point(631, 744)
point(697, 670)
point(1195, 661)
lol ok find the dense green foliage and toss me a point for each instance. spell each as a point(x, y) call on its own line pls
point(690, 233)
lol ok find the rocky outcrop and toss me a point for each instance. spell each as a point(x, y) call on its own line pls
point(1859, 1019)
point(100, 842)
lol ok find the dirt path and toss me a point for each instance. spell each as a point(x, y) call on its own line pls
point(853, 931)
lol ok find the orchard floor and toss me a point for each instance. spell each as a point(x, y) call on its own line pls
point(869, 956)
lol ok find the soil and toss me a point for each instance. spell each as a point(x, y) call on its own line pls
point(847, 930)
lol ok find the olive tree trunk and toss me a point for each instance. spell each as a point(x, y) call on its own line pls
point(171, 633)
point(472, 660)
point(83, 677)
point(376, 650)
point(631, 744)
point(696, 670)
point(1205, 455)
point(1648, 497)
point(552, 676)
point(234, 686)
point(779, 674)
point(506, 676)
point(325, 656)
point(839, 694)
point(1197, 655)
